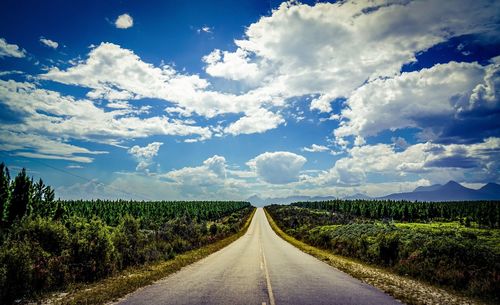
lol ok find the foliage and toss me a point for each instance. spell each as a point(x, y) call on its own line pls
point(449, 254)
point(23, 197)
point(47, 244)
point(153, 214)
point(485, 213)
point(4, 191)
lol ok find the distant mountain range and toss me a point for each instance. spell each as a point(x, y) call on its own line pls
point(451, 191)
point(258, 201)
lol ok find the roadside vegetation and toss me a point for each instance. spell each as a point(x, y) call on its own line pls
point(48, 244)
point(452, 245)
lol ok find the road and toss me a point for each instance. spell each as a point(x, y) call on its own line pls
point(259, 268)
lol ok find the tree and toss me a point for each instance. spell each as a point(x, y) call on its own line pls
point(42, 200)
point(21, 197)
point(36, 198)
point(4, 190)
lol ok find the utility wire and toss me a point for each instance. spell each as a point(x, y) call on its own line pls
point(81, 177)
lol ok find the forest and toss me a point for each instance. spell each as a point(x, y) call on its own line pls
point(48, 244)
point(455, 245)
point(486, 213)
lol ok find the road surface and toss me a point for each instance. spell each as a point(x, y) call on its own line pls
point(259, 268)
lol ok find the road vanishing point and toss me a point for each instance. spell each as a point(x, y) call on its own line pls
point(259, 268)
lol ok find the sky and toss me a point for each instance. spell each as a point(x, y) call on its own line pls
point(223, 100)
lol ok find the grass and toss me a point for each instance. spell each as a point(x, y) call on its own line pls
point(407, 290)
point(488, 237)
point(115, 287)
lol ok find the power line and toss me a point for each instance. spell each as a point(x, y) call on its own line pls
point(81, 177)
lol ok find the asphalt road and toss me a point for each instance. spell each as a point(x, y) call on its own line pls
point(259, 268)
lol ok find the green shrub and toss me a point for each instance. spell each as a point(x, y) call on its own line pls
point(443, 254)
point(91, 249)
point(15, 270)
point(128, 240)
point(52, 236)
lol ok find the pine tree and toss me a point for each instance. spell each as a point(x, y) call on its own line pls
point(21, 197)
point(4, 191)
point(35, 207)
point(48, 208)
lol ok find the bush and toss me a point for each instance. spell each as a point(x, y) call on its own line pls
point(52, 236)
point(91, 249)
point(15, 270)
point(128, 240)
point(449, 256)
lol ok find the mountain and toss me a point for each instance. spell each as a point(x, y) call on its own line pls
point(358, 196)
point(451, 191)
point(428, 188)
point(258, 201)
point(490, 189)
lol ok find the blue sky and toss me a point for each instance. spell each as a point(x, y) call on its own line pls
point(227, 99)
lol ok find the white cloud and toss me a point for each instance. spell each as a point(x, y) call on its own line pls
point(257, 121)
point(124, 21)
point(144, 155)
point(477, 162)
point(49, 43)
point(205, 29)
point(74, 166)
point(10, 50)
point(207, 181)
point(327, 50)
point(330, 49)
point(316, 148)
point(323, 103)
point(216, 164)
point(52, 113)
point(4, 73)
point(430, 99)
point(231, 65)
point(278, 167)
point(49, 120)
point(40, 147)
point(147, 152)
point(111, 70)
point(281, 175)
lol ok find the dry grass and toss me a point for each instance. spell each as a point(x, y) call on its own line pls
point(407, 290)
point(115, 287)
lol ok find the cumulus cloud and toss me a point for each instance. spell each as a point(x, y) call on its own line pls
point(235, 66)
point(316, 148)
point(124, 21)
point(278, 167)
point(144, 155)
point(111, 70)
point(49, 43)
point(331, 49)
point(216, 164)
point(205, 181)
point(438, 100)
point(257, 121)
point(50, 114)
point(10, 50)
point(478, 162)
